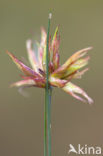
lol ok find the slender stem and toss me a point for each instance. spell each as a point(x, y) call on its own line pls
point(45, 128)
point(49, 122)
point(47, 116)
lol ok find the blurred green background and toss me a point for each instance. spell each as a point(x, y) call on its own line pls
point(21, 119)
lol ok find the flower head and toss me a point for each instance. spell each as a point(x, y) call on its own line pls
point(59, 75)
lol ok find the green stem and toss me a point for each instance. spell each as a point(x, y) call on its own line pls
point(49, 122)
point(45, 127)
point(47, 113)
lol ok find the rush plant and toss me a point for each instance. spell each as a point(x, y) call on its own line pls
point(46, 72)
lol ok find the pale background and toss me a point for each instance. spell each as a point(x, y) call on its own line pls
point(21, 119)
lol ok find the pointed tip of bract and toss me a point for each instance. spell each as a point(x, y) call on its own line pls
point(10, 54)
point(90, 101)
point(56, 30)
point(28, 44)
point(43, 30)
point(89, 48)
point(15, 60)
point(11, 85)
